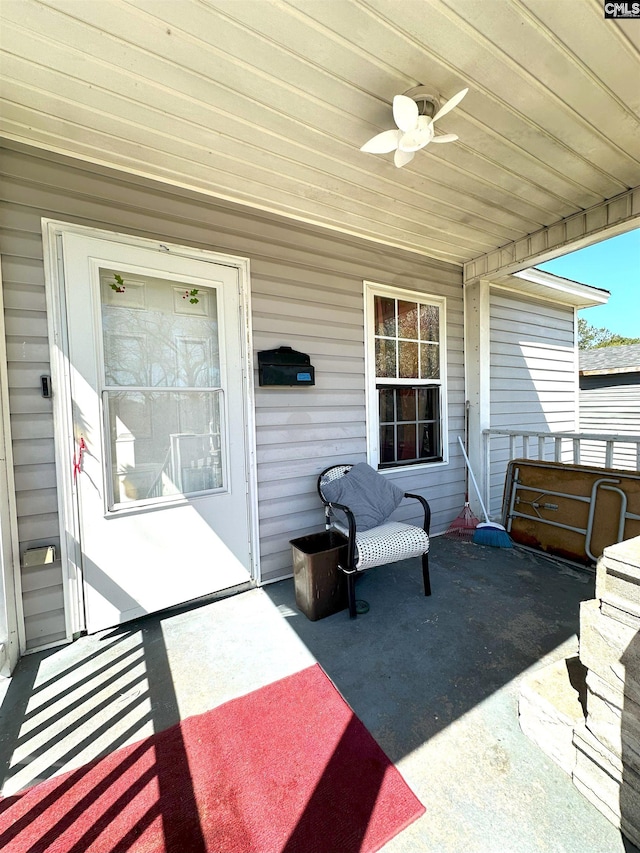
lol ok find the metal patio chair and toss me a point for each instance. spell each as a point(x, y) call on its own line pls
point(388, 542)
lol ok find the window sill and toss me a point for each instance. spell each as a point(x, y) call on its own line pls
point(410, 466)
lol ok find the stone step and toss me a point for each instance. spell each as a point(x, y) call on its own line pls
point(618, 609)
point(610, 649)
point(614, 719)
point(618, 577)
point(611, 786)
point(551, 704)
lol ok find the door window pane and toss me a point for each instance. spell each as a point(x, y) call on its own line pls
point(155, 334)
point(163, 443)
point(160, 336)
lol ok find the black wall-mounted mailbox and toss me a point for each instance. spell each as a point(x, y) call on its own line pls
point(285, 366)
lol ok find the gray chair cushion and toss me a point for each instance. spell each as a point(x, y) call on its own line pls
point(370, 496)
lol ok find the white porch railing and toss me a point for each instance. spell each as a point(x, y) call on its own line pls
point(602, 450)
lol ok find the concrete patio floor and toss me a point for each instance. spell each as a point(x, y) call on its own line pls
point(435, 680)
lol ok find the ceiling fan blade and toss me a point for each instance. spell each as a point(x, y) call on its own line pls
point(405, 113)
point(401, 158)
point(451, 103)
point(383, 142)
point(446, 137)
point(416, 139)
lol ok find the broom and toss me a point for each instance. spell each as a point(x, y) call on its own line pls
point(486, 532)
point(463, 526)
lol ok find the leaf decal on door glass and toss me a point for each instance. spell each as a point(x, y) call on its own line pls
point(118, 285)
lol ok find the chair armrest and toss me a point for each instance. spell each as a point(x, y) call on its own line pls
point(425, 506)
point(351, 521)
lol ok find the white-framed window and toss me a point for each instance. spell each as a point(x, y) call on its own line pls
point(405, 334)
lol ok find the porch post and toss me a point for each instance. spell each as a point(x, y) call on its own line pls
point(477, 354)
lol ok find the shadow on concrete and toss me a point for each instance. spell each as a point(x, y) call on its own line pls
point(413, 664)
point(409, 668)
point(125, 685)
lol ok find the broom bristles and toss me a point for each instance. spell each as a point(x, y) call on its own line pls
point(492, 534)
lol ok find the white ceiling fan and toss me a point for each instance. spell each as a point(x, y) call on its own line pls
point(414, 114)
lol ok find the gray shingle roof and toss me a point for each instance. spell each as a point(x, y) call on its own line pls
point(623, 359)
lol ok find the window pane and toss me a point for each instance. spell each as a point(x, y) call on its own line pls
point(429, 323)
point(415, 435)
point(428, 404)
point(385, 316)
point(157, 334)
point(386, 398)
point(385, 358)
point(406, 404)
point(430, 444)
point(429, 361)
point(387, 444)
point(408, 320)
point(163, 443)
point(406, 441)
point(408, 360)
point(407, 349)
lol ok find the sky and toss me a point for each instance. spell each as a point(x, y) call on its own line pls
point(614, 265)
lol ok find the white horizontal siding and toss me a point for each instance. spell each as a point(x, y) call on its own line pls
point(613, 408)
point(533, 375)
point(32, 428)
point(307, 292)
point(320, 311)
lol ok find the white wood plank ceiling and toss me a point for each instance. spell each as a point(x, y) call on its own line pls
point(267, 102)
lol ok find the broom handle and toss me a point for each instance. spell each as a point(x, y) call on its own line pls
point(466, 459)
point(466, 447)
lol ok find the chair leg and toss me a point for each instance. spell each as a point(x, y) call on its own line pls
point(425, 574)
point(351, 594)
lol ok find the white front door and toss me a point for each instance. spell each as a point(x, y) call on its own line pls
point(160, 465)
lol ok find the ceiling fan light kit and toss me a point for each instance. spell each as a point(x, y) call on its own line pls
point(414, 113)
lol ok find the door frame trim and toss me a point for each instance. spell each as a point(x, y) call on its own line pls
point(52, 231)
point(13, 642)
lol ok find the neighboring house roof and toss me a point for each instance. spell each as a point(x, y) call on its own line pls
point(545, 285)
point(622, 359)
